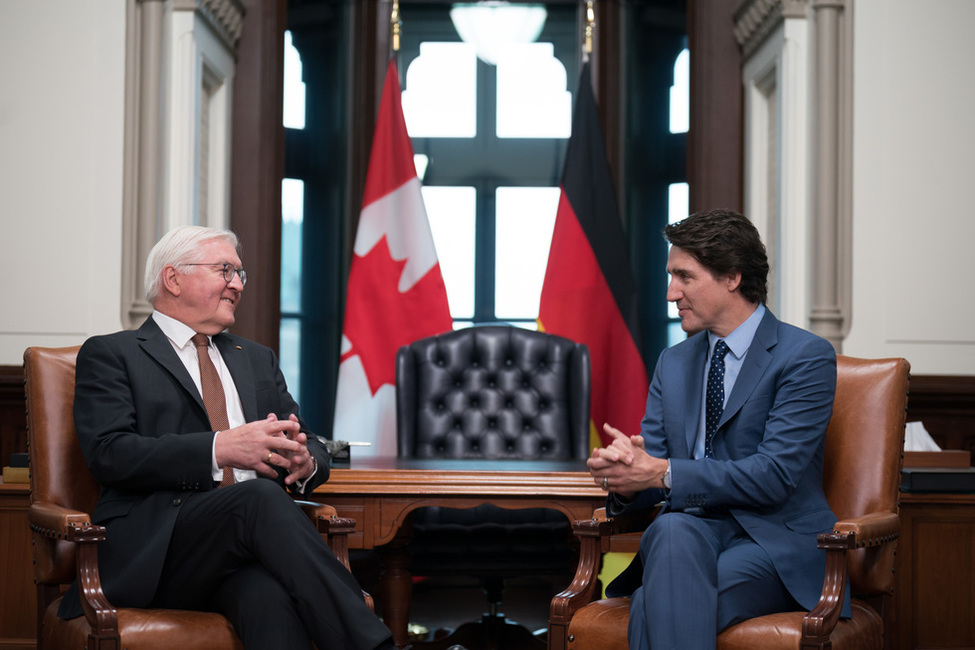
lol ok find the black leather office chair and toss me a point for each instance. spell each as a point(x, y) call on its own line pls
point(492, 392)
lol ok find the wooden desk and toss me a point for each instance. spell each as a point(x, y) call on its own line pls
point(18, 598)
point(934, 591)
point(380, 494)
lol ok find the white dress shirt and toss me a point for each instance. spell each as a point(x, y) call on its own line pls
point(180, 336)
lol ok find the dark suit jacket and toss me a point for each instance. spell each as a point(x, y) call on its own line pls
point(767, 470)
point(146, 437)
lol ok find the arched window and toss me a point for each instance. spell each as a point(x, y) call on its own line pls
point(490, 113)
point(490, 140)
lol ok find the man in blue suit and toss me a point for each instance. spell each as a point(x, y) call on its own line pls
point(732, 442)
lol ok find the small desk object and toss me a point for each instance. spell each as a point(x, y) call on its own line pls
point(381, 492)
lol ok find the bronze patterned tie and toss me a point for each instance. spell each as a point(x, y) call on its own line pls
point(213, 396)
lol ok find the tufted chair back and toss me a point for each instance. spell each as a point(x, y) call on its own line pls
point(493, 392)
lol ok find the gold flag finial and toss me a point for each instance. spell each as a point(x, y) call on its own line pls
point(590, 25)
point(396, 24)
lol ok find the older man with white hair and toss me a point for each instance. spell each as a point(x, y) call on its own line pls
point(195, 440)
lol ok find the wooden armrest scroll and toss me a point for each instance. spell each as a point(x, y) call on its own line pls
point(583, 586)
point(101, 615)
point(593, 535)
point(56, 522)
point(315, 510)
point(336, 530)
point(818, 625)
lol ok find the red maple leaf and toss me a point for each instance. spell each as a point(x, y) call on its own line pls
point(379, 319)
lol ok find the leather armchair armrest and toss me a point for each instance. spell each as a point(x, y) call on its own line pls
point(871, 530)
point(73, 526)
point(56, 530)
point(54, 521)
point(868, 562)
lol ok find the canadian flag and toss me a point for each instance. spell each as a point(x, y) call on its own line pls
point(396, 293)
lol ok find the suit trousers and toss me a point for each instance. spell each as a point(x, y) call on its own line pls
point(249, 552)
point(701, 574)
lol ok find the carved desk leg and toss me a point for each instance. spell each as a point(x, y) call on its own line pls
point(397, 585)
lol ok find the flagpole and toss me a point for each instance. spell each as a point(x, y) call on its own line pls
point(396, 30)
point(395, 25)
point(590, 26)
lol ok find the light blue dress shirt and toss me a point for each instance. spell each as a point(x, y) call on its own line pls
point(738, 343)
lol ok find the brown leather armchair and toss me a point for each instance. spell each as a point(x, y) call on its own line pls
point(63, 492)
point(864, 451)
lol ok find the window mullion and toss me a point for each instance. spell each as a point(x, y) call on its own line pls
point(484, 253)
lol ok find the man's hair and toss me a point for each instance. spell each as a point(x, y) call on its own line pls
point(179, 246)
point(725, 242)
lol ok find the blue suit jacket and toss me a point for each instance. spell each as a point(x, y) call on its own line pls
point(767, 470)
point(147, 440)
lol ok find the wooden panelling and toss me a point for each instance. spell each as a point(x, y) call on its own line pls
point(715, 143)
point(18, 597)
point(257, 166)
point(13, 422)
point(946, 406)
point(934, 592)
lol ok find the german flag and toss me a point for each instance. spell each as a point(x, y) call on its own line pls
point(589, 294)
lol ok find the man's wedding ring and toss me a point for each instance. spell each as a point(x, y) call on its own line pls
point(605, 483)
point(269, 457)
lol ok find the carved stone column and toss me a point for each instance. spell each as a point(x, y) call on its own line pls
point(799, 172)
point(829, 314)
point(142, 193)
point(149, 119)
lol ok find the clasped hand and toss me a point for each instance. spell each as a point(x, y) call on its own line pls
point(265, 444)
point(624, 466)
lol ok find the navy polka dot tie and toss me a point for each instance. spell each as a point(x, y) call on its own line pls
point(715, 396)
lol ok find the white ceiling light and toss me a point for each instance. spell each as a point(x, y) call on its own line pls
point(493, 24)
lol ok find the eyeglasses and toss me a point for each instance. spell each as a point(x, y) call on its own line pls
point(227, 269)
